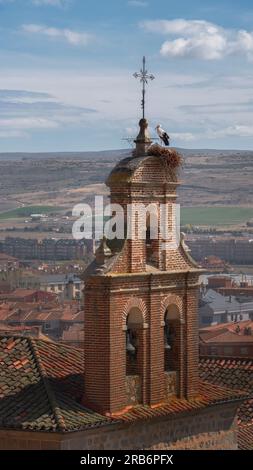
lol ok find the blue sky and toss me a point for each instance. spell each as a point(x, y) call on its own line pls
point(66, 72)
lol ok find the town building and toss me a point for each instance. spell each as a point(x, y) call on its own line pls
point(229, 339)
point(232, 250)
point(47, 249)
point(67, 286)
point(53, 318)
point(215, 308)
point(8, 262)
point(28, 295)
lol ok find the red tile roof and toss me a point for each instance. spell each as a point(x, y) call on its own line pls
point(41, 387)
point(235, 373)
point(41, 311)
point(228, 333)
point(208, 394)
point(245, 437)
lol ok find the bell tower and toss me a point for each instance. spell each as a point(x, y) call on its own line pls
point(141, 293)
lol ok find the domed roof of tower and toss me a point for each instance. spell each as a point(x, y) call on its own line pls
point(163, 161)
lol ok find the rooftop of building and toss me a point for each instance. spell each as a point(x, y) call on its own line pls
point(233, 373)
point(229, 333)
point(59, 278)
point(220, 303)
point(25, 293)
point(7, 258)
point(68, 311)
point(42, 384)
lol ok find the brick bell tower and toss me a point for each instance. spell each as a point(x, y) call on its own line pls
point(141, 298)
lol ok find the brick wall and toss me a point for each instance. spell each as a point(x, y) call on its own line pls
point(214, 428)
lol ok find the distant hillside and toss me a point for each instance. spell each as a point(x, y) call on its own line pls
point(209, 177)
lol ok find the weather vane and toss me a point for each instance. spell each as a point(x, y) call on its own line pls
point(144, 76)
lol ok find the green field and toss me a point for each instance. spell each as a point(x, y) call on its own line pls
point(211, 215)
point(27, 211)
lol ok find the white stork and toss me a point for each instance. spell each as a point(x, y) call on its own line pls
point(163, 135)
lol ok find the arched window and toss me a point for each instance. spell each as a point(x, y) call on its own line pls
point(134, 325)
point(151, 237)
point(171, 338)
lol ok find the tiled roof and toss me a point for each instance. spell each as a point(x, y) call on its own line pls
point(41, 386)
point(235, 373)
point(40, 311)
point(208, 395)
point(245, 437)
point(227, 337)
point(228, 333)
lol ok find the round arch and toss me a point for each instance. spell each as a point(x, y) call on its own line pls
point(175, 304)
point(134, 307)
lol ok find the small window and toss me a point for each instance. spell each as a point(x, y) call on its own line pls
point(213, 351)
point(244, 351)
point(228, 350)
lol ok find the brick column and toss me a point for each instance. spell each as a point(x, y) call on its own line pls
point(105, 349)
point(156, 351)
point(191, 343)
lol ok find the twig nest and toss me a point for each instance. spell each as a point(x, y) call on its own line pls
point(173, 159)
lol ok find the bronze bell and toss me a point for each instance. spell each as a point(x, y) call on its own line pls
point(129, 346)
point(166, 344)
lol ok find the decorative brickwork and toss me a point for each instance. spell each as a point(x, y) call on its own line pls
point(134, 303)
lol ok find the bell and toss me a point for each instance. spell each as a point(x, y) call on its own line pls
point(129, 346)
point(166, 344)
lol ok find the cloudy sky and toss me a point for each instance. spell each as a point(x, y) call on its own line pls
point(66, 72)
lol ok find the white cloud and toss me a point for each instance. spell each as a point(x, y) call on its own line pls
point(200, 39)
point(237, 130)
point(7, 134)
point(183, 136)
point(28, 123)
point(137, 3)
point(72, 37)
point(23, 112)
point(180, 26)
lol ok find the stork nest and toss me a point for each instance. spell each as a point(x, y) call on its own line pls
point(172, 158)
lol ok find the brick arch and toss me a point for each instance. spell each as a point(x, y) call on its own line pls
point(172, 299)
point(135, 302)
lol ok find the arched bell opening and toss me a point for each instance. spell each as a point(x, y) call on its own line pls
point(172, 332)
point(152, 237)
point(134, 331)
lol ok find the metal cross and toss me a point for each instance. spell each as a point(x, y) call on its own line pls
point(144, 77)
